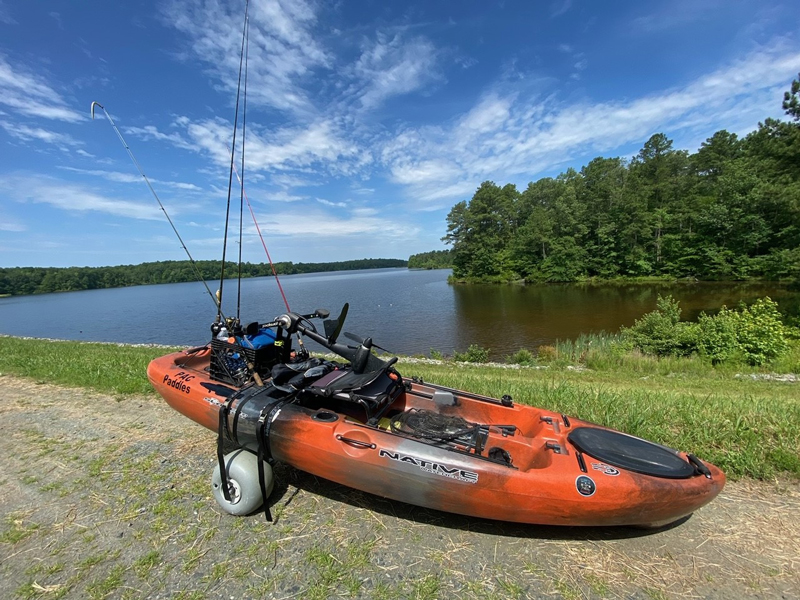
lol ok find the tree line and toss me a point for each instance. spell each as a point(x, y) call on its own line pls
point(43, 280)
point(436, 259)
point(731, 210)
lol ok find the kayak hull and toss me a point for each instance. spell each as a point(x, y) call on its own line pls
point(541, 479)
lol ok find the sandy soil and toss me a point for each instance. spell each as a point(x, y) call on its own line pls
point(108, 497)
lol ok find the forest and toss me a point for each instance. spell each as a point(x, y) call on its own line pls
point(729, 211)
point(436, 259)
point(43, 280)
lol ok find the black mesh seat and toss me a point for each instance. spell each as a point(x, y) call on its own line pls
point(373, 391)
point(631, 453)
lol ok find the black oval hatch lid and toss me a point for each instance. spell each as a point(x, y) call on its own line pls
point(630, 453)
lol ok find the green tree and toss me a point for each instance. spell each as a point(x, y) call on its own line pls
point(791, 103)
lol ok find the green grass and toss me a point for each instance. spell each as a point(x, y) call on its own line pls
point(108, 368)
point(746, 427)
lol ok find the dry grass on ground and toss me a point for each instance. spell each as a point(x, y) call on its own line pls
point(110, 498)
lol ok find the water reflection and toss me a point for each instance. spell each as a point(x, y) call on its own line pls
point(506, 318)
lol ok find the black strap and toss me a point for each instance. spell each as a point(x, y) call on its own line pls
point(223, 429)
point(699, 466)
point(262, 455)
point(239, 407)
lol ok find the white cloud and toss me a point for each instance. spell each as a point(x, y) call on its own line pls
point(393, 66)
point(323, 224)
point(560, 7)
point(490, 114)
point(283, 49)
point(507, 135)
point(287, 180)
point(30, 94)
point(10, 224)
point(281, 196)
point(118, 177)
point(71, 197)
point(362, 191)
point(320, 144)
point(677, 13)
point(149, 132)
point(27, 134)
point(329, 203)
point(5, 15)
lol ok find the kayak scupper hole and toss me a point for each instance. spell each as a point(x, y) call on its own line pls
point(325, 416)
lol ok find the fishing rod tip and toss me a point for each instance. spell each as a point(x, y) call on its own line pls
point(96, 104)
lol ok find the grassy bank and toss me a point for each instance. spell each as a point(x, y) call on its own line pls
point(109, 368)
point(749, 427)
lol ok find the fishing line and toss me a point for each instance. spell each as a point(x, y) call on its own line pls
point(164, 210)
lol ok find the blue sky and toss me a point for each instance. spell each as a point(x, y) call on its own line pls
point(366, 120)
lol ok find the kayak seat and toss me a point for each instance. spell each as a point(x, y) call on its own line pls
point(298, 375)
point(373, 391)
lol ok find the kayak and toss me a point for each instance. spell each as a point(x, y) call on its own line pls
point(359, 423)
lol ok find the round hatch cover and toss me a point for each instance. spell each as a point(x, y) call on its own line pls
point(630, 453)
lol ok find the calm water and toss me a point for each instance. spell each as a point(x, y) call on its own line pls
point(407, 312)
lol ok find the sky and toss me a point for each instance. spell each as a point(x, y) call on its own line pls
point(366, 120)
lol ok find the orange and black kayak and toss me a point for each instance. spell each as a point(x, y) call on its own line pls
point(361, 424)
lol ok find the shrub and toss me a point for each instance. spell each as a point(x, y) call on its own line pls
point(522, 357)
point(436, 355)
point(547, 353)
point(760, 333)
point(717, 339)
point(661, 331)
point(754, 334)
point(474, 354)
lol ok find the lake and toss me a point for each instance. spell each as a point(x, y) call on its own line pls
point(406, 311)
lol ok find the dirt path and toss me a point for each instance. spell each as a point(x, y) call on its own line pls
point(105, 497)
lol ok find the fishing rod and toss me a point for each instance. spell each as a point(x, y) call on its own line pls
point(241, 179)
point(200, 277)
point(230, 176)
point(269, 257)
point(263, 243)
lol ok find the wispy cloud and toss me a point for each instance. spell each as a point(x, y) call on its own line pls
point(27, 134)
point(325, 224)
point(676, 13)
point(281, 196)
point(282, 53)
point(150, 132)
point(118, 177)
point(10, 224)
point(321, 143)
point(291, 68)
point(325, 202)
point(392, 66)
point(560, 7)
point(30, 94)
point(508, 135)
point(70, 197)
point(5, 15)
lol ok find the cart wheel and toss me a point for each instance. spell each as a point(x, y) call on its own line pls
point(245, 492)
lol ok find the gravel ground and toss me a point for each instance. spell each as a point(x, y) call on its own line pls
point(109, 497)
